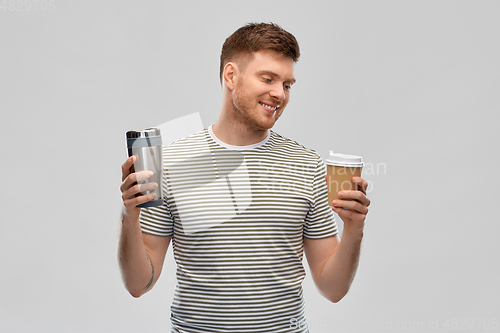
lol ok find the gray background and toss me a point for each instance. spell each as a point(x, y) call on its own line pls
point(412, 86)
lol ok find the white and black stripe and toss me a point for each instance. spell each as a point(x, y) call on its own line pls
point(237, 216)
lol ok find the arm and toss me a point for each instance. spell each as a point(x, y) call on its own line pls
point(334, 262)
point(140, 255)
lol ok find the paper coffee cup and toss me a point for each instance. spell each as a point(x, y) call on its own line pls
point(340, 169)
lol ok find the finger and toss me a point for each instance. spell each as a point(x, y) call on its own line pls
point(134, 202)
point(134, 178)
point(350, 215)
point(354, 195)
point(138, 189)
point(361, 184)
point(351, 205)
point(127, 166)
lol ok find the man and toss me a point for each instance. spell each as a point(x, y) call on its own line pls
point(243, 203)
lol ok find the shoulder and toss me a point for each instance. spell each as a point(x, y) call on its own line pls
point(200, 138)
point(292, 148)
point(188, 148)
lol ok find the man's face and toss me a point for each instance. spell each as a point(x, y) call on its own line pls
point(262, 90)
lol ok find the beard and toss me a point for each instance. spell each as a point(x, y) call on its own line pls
point(247, 112)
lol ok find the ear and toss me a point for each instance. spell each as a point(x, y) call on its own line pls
point(229, 75)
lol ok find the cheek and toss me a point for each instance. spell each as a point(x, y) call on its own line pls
point(285, 102)
point(279, 112)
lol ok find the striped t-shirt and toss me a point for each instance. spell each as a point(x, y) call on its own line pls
point(237, 217)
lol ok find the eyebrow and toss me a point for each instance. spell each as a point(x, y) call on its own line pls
point(291, 80)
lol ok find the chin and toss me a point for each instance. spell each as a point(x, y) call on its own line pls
point(267, 126)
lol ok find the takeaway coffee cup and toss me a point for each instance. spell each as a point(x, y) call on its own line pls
point(146, 144)
point(340, 169)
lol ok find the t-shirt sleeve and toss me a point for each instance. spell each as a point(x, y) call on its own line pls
point(157, 220)
point(320, 222)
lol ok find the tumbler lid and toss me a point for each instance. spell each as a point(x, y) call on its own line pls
point(143, 133)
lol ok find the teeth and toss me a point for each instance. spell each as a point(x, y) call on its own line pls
point(269, 107)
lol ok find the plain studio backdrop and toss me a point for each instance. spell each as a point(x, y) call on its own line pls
point(412, 86)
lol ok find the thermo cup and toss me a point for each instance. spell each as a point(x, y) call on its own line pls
point(146, 144)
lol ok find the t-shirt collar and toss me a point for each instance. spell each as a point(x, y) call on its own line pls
point(231, 147)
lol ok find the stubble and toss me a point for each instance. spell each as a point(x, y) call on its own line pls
point(246, 111)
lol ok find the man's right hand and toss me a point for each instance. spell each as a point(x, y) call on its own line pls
point(130, 189)
point(140, 255)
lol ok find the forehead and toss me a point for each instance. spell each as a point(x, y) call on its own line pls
point(272, 62)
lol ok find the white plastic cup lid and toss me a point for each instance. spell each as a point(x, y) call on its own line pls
point(344, 160)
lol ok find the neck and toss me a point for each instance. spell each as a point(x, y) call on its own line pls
point(235, 133)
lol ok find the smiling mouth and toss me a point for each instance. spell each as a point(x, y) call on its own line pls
point(269, 107)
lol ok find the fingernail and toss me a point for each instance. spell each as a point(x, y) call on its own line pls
point(334, 203)
point(341, 194)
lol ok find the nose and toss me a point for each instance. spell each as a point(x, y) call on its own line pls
point(278, 92)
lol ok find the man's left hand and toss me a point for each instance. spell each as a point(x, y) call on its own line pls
point(352, 206)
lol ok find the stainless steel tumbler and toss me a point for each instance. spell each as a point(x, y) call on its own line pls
point(147, 146)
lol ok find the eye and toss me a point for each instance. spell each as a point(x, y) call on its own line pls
point(287, 86)
point(266, 79)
